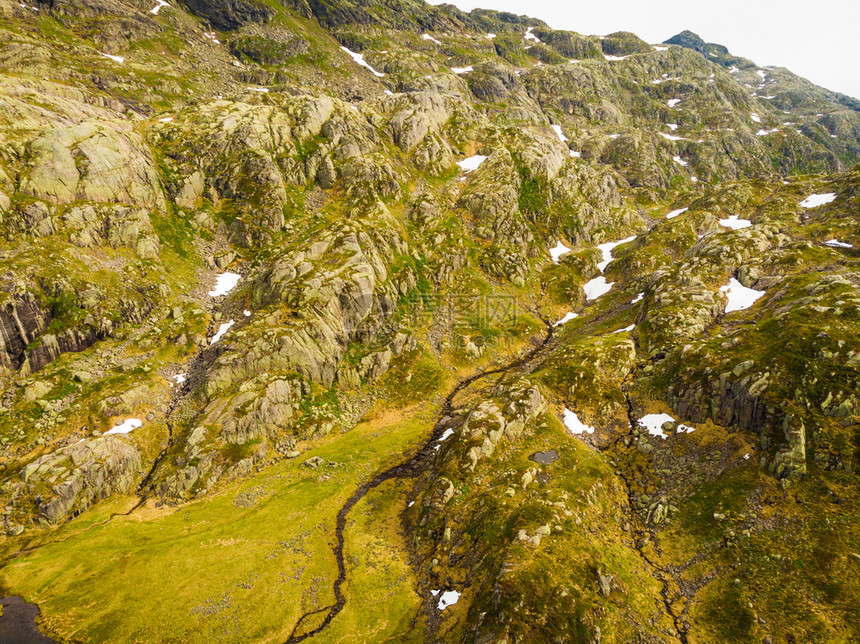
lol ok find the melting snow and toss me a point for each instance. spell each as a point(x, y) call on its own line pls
point(625, 329)
point(766, 132)
point(671, 137)
point(614, 136)
point(448, 598)
point(679, 161)
point(490, 36)
point(462, 70)
point(675, 213)
point(530, 36)
point(672, 102)
point(178, 379)
point(431, 38)
point(561, 136)
point(755, 118)
point(125, 427)
point(658, 48)
point(740, 297)
point(157, 8)
point(360, 60)
point(411, 503)
point(559, 250)
point(638, 298)
point(574, 154)
point(211, 36)
point(448, 432)
point(597, 287)
point(567, 318)
point(837, 244)
point(813, 201)
point(247, 314)
point(735, 223)
point(612, 58)
point(221, 331)
point(472, 162)
point(166, 119)
point(733, 69)
point(654, 424)
point(116, 59)
point(262, 90)
point(606, 251)
point(573, 423)
point(672, 126)
point(225, 283)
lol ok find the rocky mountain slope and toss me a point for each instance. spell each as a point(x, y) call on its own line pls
point(343, 321)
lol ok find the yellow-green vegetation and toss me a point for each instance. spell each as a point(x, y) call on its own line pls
point(245, 563)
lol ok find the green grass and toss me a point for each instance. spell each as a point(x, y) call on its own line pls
point(214, 571)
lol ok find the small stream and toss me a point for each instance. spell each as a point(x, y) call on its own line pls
point(18, 623)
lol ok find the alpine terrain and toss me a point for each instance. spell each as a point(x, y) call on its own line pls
point(340, 321)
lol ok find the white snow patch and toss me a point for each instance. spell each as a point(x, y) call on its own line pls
point(560, 134)
point(178, 379)
point(762, 74)
point(654, 424)
point(221, 331)
point(672, 102)
point(358, 58)
point(671, 137)
point(211, 36)
point(735, 223)
point(462, 70)
point(157, 8)
point(679, 161)
point(246, 313)
point(639, 297)
point(472, 162)
point(740, 297)
point(733, 69)
point(597, 287)
point(262, 90)
point(606, 251)
point(614, 58)
point(755, 118)
point(567, 318)
point(448, 432)
point(575, 154)
point(411, 503)
point(224, 283)
point(837, 244)
point(672, 126)
point(166, 119)
point(116, 59)
point(448, 598)
point(125, 427)
point(430, 38)
point(766, 132)
point(675, 213)
point(614, 136)
point(658, 48)
point(388, 92)
point(490, 36)
point(574, 424)
point(625, 329)
point(768, 98)
point(747, 456)
point(815, 200)
point(530, 36)
point(559, 250)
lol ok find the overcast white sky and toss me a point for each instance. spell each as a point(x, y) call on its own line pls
point(817, 39)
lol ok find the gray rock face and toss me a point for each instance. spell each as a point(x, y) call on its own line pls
point(229, 15)
point(93, 161)
point(81, 474)
point(21, 321)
